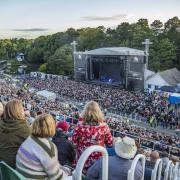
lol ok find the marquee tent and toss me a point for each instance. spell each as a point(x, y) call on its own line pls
point(47, 95)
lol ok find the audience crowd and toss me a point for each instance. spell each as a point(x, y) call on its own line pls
point(151, 107)
point(38, 141)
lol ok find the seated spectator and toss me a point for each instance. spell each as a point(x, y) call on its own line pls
point(174, 159)
point(66, 150)
point(165, 160)
point(37, 157)
point(29, 118)
point(13, 131)
point(148, 154)
point(141, 151)
point(153, 158)
point(91, 131)
point(118, 165)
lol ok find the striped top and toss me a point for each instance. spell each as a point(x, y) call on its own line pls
point(37, 159)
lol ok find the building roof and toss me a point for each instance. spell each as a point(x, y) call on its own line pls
point(20, 54)
point(115, 51)
point(148, 74)
point(171, 76)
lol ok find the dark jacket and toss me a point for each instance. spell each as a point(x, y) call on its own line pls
point(150, 164)
point(117, 169)
point(12, 135)
point(66, 150)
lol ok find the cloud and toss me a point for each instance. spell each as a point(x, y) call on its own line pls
point(31, 30)
point(105, 18)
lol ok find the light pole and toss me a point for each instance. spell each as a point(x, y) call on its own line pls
point(147, 43)
point(74, 44)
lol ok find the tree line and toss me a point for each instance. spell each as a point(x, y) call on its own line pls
point(53, 53)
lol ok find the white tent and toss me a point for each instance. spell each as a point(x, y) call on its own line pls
point(47, 95)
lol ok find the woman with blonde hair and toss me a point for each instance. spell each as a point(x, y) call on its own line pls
point(37, 157)
point(1, 110)
point(92, 131)
point(13, 131)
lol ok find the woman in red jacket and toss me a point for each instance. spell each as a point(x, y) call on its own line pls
point(91, 131)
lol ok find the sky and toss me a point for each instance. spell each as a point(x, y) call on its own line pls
point(32, 18)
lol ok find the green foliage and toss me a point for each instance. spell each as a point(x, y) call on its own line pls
point(91, 38)
point(10, 47)
point(35, 55)
point(14, 65)
point(53, 53)
point(162, 55)
point(61, 62)
point(43, 67)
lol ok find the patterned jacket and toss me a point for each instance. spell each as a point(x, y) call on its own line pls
point(85, 136)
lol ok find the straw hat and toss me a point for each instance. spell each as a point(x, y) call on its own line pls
point(125, 148)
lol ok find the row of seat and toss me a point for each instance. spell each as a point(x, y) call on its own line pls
point(172, 172)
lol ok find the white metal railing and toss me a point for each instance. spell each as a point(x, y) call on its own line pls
point(131, 171)
point(175, 172)
point(156, 172)
point(171, 172)
point(178, 173)
point(166, 173)
point(77, 175)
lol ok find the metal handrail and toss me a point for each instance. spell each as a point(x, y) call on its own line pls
point(133, 166)
point(175, 172)
point(157, 169)
point(166, 174)
point(77, 175)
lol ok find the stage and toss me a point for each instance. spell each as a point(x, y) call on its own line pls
point(108, 84)
point(116, 66)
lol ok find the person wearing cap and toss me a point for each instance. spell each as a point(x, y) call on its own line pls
point(119, 164)
point(66, 150)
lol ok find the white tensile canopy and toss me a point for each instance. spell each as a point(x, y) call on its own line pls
point(47, 95)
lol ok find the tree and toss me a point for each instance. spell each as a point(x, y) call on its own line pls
point(172, 23)
point(162, 55)
point(36, 56)
point(55, 49)
point(61, 62)
point(43, 67)
point(157, 26)
point(141, 31)
point(91, 38)
point(123, 35)
point(143, 23)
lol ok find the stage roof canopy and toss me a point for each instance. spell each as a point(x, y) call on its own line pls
point(115, 51)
